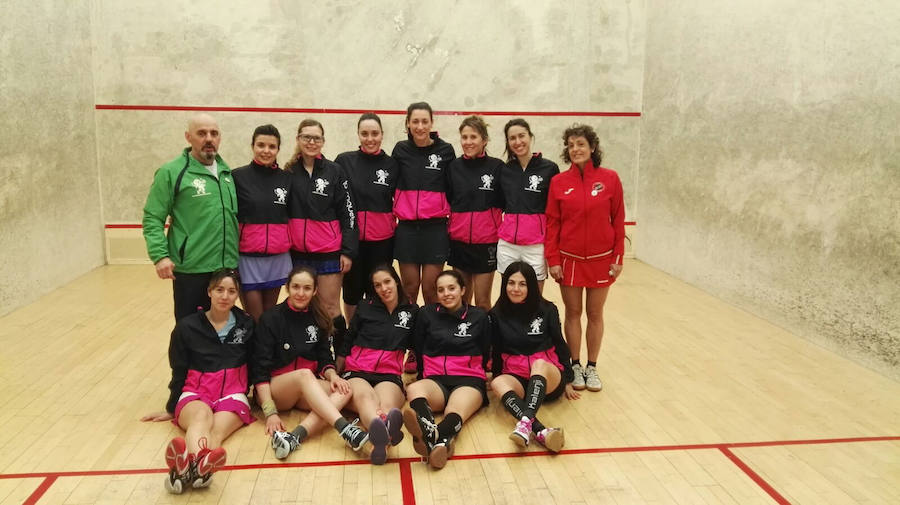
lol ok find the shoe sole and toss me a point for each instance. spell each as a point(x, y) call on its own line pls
point(175, 486)
point(438, 457)
point(379, 437)
point(412, 426)
point(594, 390)
point(176, 452)
point(281, 452)
point(578, 388)
point(395, 423)
point(555, 440)
point(515, 437)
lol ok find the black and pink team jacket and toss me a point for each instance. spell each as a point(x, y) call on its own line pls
point(321, 210)
point(525, 199)
point(421, 188)
point(378, 339)
point(262, 195)
point(475, 199)
point(203, 364)
point(286, 340)
point(373, 180)
point(452, 344)
point(518, 343)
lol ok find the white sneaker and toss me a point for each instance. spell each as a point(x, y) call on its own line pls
point(284, 443)
point(578, 383)
point(591, 380)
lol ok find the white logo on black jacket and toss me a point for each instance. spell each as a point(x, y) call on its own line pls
point(381, 176)
point(321, 184)
point(312, 334)
point(462, 330)
point(535, 326)
point(403, 322)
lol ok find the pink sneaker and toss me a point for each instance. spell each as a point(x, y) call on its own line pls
point(522, 434)
point(552, 438)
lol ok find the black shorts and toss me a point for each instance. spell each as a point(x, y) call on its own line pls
point(371, 254)
point(473, 258)
point(549, 397)
point(375, 378)
point(423, 242)
point(449, 383)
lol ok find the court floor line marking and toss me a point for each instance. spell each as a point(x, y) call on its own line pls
point(496, 455)
point(755, 477)
point(391, 112)
point(406, 483)
point(41, 489)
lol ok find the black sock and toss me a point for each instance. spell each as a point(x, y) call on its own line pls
point(340, 424)
point(592, 363)
point(422, 409)
point(513, 404)
point(535, 391)
point(576, 362)
point(300, 433)
point(536, 426)
point(449, 426)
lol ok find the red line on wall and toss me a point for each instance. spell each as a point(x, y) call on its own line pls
point(39, 492)
point(128, 226)
point(406, 484)
point(392, 112)
point(781, 500)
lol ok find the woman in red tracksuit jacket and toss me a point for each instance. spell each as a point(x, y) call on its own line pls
point(475, 203)
point(262, 195)
point(322, 218)
point(373, 179)
point(452, 340)
point(208, 391)
point(585, 243)
point(531, 362)
point(372, 358)
point(524, 184)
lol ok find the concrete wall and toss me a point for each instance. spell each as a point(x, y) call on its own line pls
point(50, 223)
point(464, 55)
point(769, 167)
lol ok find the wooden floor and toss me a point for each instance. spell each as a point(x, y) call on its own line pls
point(702, 403)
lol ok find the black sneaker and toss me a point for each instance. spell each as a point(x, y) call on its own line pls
point(355, 436)
point(440, 453)
point(424, 432)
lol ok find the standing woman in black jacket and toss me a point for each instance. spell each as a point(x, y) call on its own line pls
point(208, 355)
point(322, 219)
point(475, 211)
point(262, 193)
point(373, 179)
point(421, 243)
point(531, 361)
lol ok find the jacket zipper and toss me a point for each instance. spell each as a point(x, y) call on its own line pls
point(224, 225)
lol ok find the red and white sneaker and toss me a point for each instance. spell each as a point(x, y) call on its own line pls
point(179, 463)
point(207, 462)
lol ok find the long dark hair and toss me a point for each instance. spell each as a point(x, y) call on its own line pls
point(402, 297)
point(220, 275)
point(323, 320)
point(504, 307)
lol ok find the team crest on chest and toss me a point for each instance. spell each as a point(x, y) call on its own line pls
point(312, 334)
point(199, 187)
point(487, 182)
point(381, 176)
point(320, 185)
point(534, 328)
point(239, 336)
point(462, 330)
point(597, 188)
point(280, 195)
point(534, 182)
point(403, 319)
point(433, 160)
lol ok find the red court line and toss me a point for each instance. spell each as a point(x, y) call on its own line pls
point(496, 455)
point(127, 226)
point(406, 483)
point(39, 492)
point(393, 112)
point(781, 500)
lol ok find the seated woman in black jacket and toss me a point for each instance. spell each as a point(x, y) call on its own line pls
point(291, 349)
point(208, 355)
point(531, 361)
